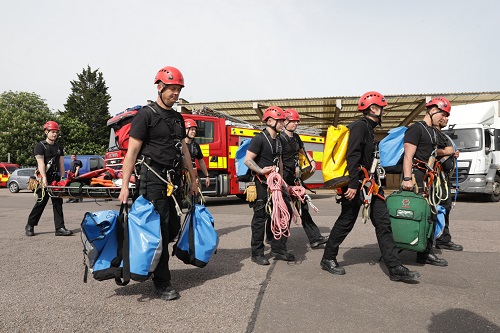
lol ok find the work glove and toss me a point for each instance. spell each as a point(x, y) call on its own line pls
point(251, 192)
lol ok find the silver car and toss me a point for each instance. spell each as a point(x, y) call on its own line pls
point(19, 178)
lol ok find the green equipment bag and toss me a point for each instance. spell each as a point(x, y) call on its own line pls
point(411, 220)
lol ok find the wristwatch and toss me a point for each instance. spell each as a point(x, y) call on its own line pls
point(406, 178)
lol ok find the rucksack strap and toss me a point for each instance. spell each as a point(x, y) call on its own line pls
point(191, 232)
point(122, 276)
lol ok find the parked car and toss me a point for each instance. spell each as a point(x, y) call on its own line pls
point(19, 178)
point(5, 170)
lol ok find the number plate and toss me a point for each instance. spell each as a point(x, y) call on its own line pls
point(453, 190)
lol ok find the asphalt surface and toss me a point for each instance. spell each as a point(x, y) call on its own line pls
point(42, 287)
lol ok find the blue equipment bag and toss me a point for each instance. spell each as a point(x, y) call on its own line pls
point(392, 150)
point(145, 243)
point(122, 245)
point(242, 170)
point(440, 223)
point(198, 239)
point(100, 243)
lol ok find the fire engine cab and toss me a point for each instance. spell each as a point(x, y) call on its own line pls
point(219, 137)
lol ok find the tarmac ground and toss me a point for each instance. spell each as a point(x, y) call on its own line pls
point(42, 287)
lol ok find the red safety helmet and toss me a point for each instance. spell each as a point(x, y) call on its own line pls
point(442, 103)
point(188, 123)
point(274, 112)
point(369, 98)
point(292, 114)
point(170, 75)
point(51, 126)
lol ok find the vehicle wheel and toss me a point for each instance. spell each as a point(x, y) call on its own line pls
point(13, 187)
point(495, 196)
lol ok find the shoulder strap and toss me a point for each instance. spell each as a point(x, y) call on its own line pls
point(122, 276)
point(152, 109)
point(368, 127)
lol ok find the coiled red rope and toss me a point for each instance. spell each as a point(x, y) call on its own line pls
point(280, 216)
point(297, 193)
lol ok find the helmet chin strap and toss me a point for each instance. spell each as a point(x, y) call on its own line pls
point(287, 128)
point(160, 94)
point(379, 116)
point(274, 126)
point(432, 115)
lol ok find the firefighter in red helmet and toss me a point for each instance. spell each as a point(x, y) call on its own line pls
point(446, 155)
point(50, 160)
point(361, 147)
point(195, 150)
point(292, 145)
point(420, 148)
point(158, 150)
point(264, 156)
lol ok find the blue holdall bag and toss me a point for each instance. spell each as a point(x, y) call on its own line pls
point(100, 243)
point(242, 171)
point(198, 239)
point(145, 243)
point(122, 245)
point(392, 150)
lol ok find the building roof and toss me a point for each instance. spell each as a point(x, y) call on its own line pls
point(319, 113)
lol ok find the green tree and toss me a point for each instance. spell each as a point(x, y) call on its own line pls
point(22, 116)
point(75, 137)
point(89, 104)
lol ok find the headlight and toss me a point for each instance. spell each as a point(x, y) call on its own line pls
point(477, 179)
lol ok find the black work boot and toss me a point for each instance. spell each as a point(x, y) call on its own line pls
point(319, 241)
point(431, 259)
point(29, 230)
point(260, 260)
point(332, 266)
point(449, 246)
point(282, 255)
point(401, 273)
point(167, 293)
point(63, 232)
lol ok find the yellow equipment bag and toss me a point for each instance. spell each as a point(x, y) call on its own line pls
point(305, 167)
point(334, 169)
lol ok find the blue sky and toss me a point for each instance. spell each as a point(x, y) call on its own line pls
point(243, 50)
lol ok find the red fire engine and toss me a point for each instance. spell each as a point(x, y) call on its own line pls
point(219, 137)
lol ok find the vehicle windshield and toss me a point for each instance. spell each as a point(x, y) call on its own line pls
point(467, 139)
point(11, 169)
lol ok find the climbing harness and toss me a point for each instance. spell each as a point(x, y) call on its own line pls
point(433, 178)
point(370, 184)
point(170, 185)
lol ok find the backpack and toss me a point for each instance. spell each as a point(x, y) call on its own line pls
point(198, 239)
point(305, 167)
point(392, 150)
point(242, 171)
point(122, 245)
point(334, 168)
point(411, 220)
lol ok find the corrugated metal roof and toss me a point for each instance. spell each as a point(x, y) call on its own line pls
point(322, 112)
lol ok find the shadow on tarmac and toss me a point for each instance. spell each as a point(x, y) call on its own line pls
point(227, 261)
point(460, 321)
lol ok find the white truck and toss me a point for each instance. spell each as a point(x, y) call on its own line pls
point(475, 129)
